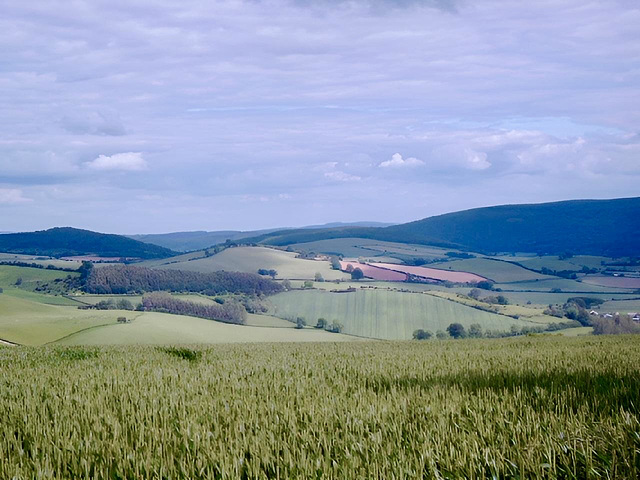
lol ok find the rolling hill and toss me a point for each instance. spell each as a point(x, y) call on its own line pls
point(198, 240)
point(586, 227)
point(67, 241)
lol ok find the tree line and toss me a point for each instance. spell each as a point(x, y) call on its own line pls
point(229, 312)
point(121, 279)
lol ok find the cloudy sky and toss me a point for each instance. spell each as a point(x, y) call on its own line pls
point(246, 114)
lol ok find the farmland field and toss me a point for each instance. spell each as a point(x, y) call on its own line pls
point(563, 284)
point(376, 273)
point(251, 259)
point(496, 270)
point(550, 407)
point(609, 281)
point(385, 314)
point(437, 274)
point(367, 248)
point(162, 328)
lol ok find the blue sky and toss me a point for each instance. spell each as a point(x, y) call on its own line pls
point(206, 115)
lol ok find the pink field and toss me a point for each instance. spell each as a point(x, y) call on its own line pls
point(606, 281)
point(376, 273)
point(433, 273)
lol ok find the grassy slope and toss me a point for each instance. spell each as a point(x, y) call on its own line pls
point(32, 323)
point(498, 271)
point(250, 259)
point(384, 314)
point(363, 247)
point(563, 284)
point(162, 328)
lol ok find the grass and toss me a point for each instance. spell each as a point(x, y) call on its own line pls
point(251, 259)
point(496, 270)
point(534, 408)
point(151, 328)
point(563, 284)
point(384, 314)
point(363, 247)
point(33, 323)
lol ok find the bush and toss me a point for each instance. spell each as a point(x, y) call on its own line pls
point(322, 323)
point(421, 334)
point(442, 335)
point(475, 330)
point(456, 330)
point(300, 322)
point(335, 327)
point(319, 277)
point(618, 325)
point(357, 274)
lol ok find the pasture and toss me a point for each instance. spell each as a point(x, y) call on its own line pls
point(251, 259)
point(375, 273)
point(495, 270)
point(151, 328)
point(434, 273)
point(546, 407)
point(385, 314)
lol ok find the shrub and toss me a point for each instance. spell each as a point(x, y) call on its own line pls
point(300, 322)
point(618, 325)
point(322, 323)
point(456, 330)
point(421, 334)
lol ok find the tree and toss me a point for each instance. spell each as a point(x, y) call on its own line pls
point(357, 274)
point(322, 323)
point(335, 327)
point(485, 285)
point(300, 322)
point(456, 330)
point(335, 263)
point(19, 281)
point(319, 277)
point(286, 284)
point(442, 335)
point(307, 284)
point(475, 330)
point(475, 293)
point(421, 334)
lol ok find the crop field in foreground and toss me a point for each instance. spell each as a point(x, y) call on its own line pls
point(544, 407)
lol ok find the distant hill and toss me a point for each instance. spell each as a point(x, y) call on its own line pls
point(198, 240)
point(595, 227)
point(67, 241)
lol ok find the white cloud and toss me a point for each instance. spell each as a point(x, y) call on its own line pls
point(12, 196)
point(130, 161)
point(342, 176)
point(476, 160)
point(398, 161)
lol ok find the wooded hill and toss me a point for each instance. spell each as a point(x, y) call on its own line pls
point(588, 227)
point(67, 241)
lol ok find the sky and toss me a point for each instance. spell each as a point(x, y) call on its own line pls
point(156, 116)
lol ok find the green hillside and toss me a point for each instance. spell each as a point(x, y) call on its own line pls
point(385, 314)
point(251, 259)
point(161, 328)
point(66, 241)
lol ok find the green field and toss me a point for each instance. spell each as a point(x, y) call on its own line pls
point(384, 314)
point(564, 284)
point(161, 328)
point(496, 270)
point(251, 259)
point(33, 323)
point(554, 263)
point(622, 306)
point(546, 407)
point(363, 247)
